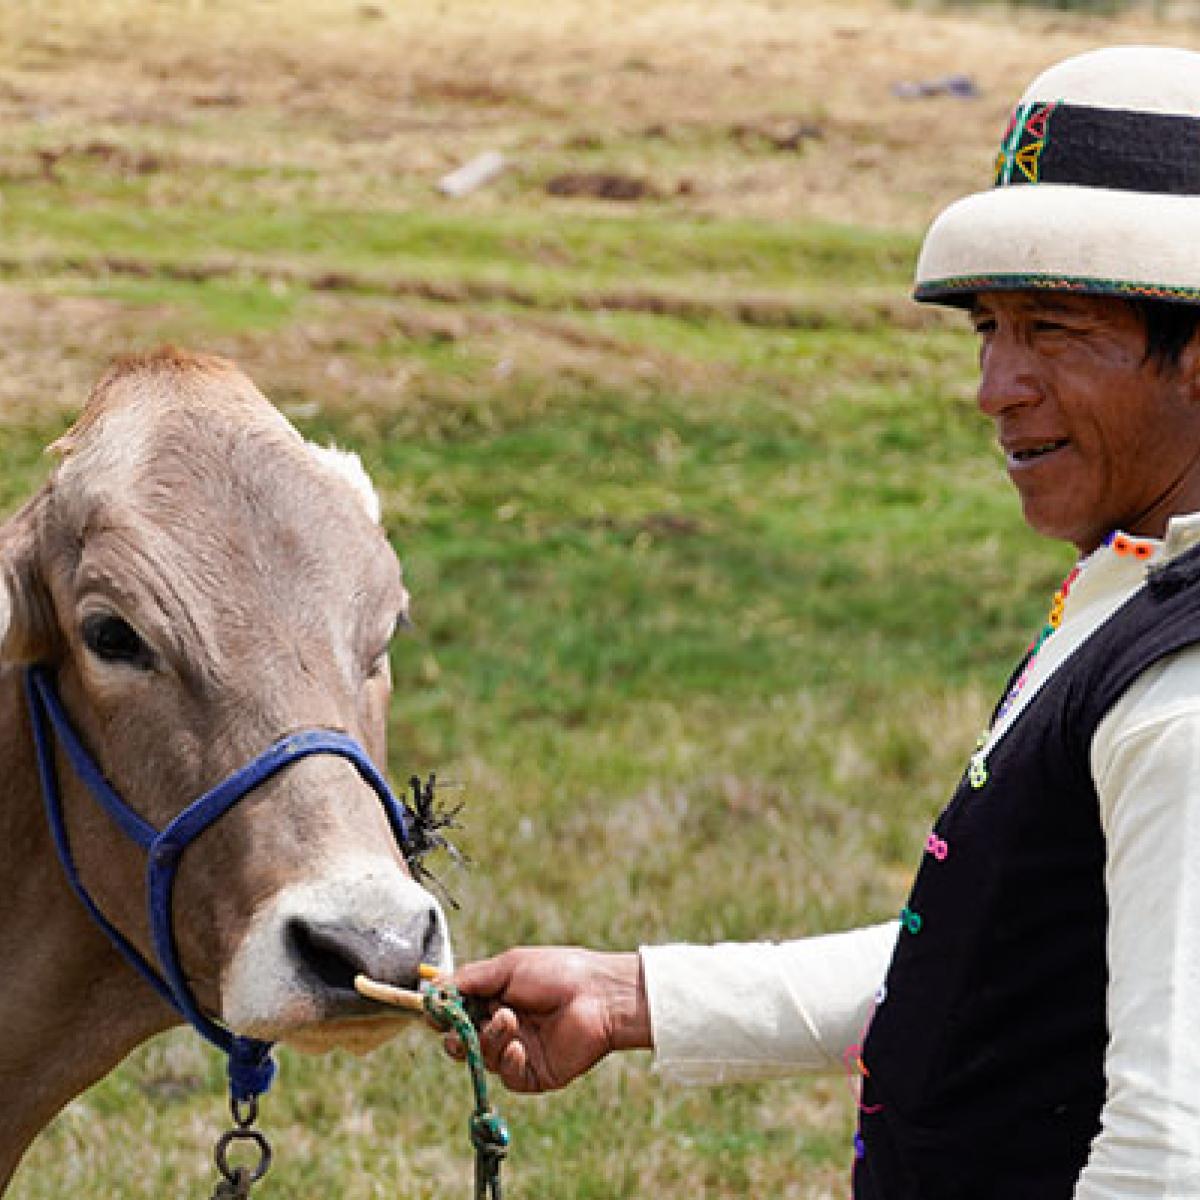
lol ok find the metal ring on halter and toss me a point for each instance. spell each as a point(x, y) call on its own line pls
point(243, 1135)
point(244, 1112)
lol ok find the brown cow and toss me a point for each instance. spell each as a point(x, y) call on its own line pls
point(200, 581)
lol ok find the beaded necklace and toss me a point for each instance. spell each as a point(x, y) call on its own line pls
point(1053, 621)
point(1121, 544)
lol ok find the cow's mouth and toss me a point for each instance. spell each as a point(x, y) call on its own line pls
point(358, 1034)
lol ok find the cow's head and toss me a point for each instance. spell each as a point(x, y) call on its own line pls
point(203, 582)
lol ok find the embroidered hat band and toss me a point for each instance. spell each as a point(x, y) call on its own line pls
point(1101, 148)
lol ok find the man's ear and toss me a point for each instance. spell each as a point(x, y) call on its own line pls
point(28, 631)
point(1188, 364)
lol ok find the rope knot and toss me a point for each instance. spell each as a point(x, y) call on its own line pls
point(489, 1134)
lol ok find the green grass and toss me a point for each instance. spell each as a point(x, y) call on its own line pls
point(116, 217)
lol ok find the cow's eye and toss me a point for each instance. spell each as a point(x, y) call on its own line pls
point(115, 641)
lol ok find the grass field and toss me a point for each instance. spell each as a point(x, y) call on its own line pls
point(715, 568)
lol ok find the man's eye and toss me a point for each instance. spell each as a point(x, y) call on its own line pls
point(113, 640)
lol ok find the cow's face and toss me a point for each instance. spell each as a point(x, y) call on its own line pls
point(204, 583)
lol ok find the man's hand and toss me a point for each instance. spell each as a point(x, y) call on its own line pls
point(554, 1012)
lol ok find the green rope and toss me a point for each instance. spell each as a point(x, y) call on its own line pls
point(489, 1134)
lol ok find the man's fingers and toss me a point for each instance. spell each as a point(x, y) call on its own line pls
point(496, 1033)
point(504, 1053)
point(507, 1055)
point(514, 1069)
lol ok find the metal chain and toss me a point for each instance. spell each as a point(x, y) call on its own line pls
point(237, 1181)
point(489, 1134)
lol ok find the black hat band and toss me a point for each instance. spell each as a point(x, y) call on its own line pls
point(1118, 149)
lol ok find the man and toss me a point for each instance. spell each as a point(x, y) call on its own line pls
point(1034, 1017)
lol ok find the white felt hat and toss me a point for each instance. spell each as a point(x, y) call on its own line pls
point(1097, 188)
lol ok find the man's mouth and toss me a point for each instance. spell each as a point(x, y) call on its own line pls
point(1028, 454)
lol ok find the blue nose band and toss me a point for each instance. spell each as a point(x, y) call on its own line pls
point(251, 1067)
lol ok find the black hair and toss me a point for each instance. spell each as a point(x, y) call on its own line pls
point(1169, 327)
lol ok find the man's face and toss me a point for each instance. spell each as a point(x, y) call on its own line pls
point(1096, 436)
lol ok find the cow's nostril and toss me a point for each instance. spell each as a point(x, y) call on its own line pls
point(326, 952)
point(432, 946)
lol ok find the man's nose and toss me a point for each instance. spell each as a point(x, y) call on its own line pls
point(1008, 376)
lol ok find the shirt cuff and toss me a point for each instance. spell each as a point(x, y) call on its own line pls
point(739, 1011)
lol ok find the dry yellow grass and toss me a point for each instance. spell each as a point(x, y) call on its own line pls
point(382, 94)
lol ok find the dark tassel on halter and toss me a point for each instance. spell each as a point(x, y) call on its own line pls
point(425, 833)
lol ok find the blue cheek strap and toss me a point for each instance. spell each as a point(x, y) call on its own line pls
point(251, 1067)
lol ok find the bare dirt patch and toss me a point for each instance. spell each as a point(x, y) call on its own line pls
point(600, 185)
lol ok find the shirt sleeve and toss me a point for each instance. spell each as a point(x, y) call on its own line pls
point(1146, 763)
point(739, 1011)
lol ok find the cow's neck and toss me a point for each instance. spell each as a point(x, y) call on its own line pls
point(70, 1008)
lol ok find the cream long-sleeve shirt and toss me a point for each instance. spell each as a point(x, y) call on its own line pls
point(752, 1010)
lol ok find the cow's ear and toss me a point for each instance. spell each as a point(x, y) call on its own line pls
point(28, 632)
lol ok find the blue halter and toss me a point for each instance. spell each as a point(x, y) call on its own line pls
point(251, 1067)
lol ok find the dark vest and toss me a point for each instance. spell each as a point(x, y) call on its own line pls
point(985, 1058)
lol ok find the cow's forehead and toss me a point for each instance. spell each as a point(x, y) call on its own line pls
point(140, 403)
point(187, 455)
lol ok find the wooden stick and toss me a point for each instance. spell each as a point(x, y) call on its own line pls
point(386, 993)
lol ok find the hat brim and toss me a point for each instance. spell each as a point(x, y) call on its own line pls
point(1063, 238)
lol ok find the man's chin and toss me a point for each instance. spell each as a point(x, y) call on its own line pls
point(1055, 521)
